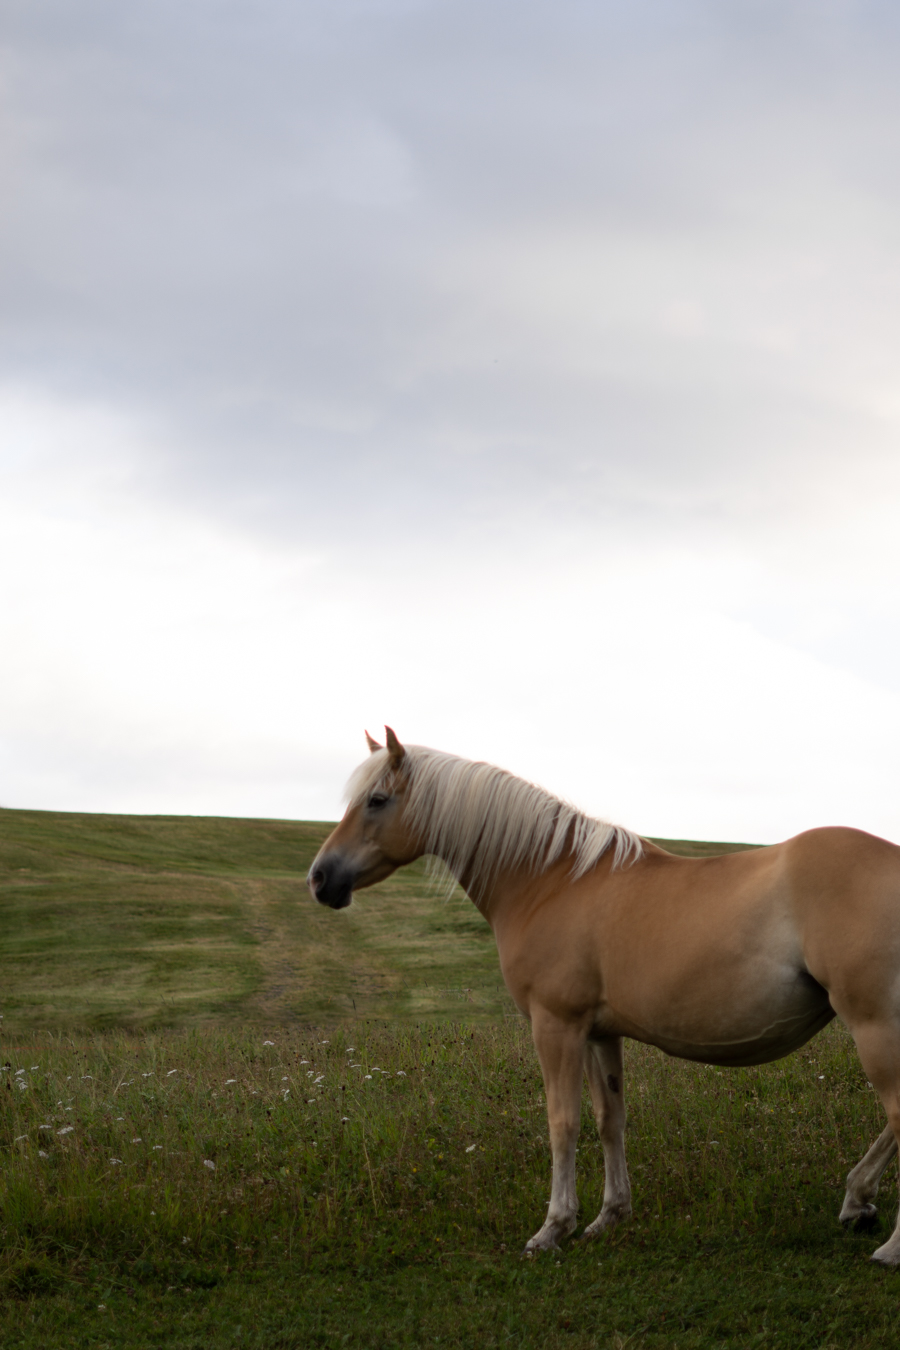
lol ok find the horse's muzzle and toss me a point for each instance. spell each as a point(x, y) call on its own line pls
point(331, 883)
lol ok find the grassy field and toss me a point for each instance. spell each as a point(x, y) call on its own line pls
point(152, 921)
point(205, 1143)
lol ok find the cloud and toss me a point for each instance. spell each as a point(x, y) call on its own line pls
point(523, 374)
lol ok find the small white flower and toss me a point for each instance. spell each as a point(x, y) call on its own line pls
point(45, 1127)
point(401, 1073)
point(319, 1079)
point(117, 1117)
point(304, 1061)
point(138, 1140)
point(19, 1137)
point(230, 1080)
point(115, 1162)
point(171, 1071)
point(310, 1101)
point(284, 1080)
point(185, 1241)
point(268, 1042)
point(101, 1307)
point(86, 1075)
point(18, 1071)
point(42, 1154)
point(208, 1162)
point(35, 1066)
point(344, 1119)
point(147, 1075)
point(351, 1050)
point(367, 1075)
point(20, 1083)
point(66, 1129)
point(155, 1147)
point(471, 1147)
point(324, 1042)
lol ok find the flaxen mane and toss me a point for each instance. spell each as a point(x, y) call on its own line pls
point(481, 819)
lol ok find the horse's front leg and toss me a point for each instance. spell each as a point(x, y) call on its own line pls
point(560, 1048)
point(603, 1062)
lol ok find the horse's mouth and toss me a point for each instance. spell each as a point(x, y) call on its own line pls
point(331, 886)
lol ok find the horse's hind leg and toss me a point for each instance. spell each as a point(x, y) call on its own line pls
point(603, 1062)
point(878, 1043)
point(862, 1183)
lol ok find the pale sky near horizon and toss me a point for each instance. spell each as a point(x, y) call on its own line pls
point(525, 376)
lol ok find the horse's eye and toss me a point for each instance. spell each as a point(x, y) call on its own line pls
point(377, 800)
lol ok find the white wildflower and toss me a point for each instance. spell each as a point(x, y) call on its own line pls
point(208, 1162)
point(171, 1071)
point(367, 1075)
point(35, 1066)
point(230, 1080)
point(156, 1146)
point(19, 1137)
point(268, 1042)
point(137, 1141)
point(344, 1119)
point(42, 1154)
point(115, 1162)
point(66, 1129)
point(284, 1080)
point(401, 1073)
point(471, 1147)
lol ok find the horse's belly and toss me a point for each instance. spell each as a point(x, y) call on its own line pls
point(749, 1026)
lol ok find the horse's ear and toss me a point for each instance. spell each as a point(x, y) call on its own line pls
point(395, 748)
point(372, 744)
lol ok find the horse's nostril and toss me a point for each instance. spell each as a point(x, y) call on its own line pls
point(317, 877)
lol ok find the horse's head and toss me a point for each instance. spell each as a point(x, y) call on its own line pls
point(371, 841)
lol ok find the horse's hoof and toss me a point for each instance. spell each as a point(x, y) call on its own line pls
point(889, 1261)
point(864, 1221)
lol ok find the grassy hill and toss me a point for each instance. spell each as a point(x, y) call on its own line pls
point(162, 921)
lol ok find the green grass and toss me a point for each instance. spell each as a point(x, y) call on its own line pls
point(148, 922)
point(359, 1211)
point(355, 1211)
point(165, 921)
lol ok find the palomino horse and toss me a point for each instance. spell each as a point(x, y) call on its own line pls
point(729, 960)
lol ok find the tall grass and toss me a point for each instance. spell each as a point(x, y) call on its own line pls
point(135, 1169)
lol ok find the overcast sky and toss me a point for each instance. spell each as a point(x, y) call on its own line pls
point(523, 375)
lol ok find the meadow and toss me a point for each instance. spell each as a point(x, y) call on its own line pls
point(204, 1143)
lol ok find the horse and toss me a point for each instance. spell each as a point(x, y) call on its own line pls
point(737, 959)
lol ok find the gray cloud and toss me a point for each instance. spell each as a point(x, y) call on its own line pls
point(499, 257)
